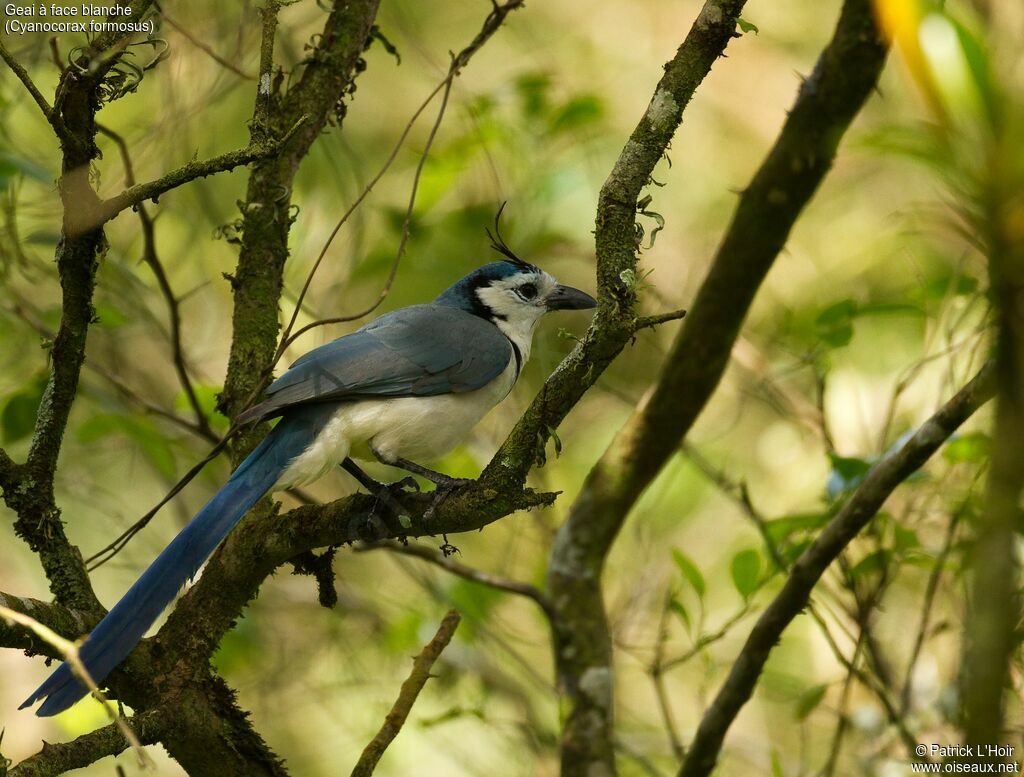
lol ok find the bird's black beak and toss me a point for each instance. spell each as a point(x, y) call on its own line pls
point(568, 298)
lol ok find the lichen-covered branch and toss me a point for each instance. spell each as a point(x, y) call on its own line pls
point(88, 748)
point(411, 688)
point(843, 78)
point(69, 624)
point(328, 76)
point(861, 507)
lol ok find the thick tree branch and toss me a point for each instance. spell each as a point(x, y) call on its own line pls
point(861, 507)
point(328, 76)
point(616, 245)
point(68, 623)
point(411, 688)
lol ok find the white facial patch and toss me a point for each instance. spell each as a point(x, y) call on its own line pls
point(516, 313)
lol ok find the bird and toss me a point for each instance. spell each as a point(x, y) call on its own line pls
point(410, 385)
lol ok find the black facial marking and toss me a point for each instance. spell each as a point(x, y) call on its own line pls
point(477, 306)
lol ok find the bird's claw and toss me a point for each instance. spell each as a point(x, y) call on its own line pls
point(406, 484)
point(444, 490)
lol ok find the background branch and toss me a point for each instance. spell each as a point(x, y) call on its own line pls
point(855, 514)
point(411, 688)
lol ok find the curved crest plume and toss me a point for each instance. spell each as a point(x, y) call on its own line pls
point(498, 243)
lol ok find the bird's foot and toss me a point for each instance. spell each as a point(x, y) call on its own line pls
point(389, 494)
point(445, 488)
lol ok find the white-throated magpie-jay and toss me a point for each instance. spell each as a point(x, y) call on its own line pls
point(407, 386)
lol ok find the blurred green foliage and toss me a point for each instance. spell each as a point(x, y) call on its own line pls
point(876, 311)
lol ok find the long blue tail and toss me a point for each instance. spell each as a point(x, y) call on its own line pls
point(123, 627)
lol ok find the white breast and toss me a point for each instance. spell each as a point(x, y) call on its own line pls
point(420, 429)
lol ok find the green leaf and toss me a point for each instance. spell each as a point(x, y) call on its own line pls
point(746, 26)
point(971, 447)
point(690, 572)
point(808, 700)
point(207, 396)
point(108, 316)
point(677, 607)
point(904, 539)
point(847, 473)
point(873, 563)
point(834, 325)
point(777, 765)
point(149, 440)
point(782, 528)
point(745, 570)
point(577, 113)
point(19, 415)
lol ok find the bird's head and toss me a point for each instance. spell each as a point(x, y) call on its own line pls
point(513, 294)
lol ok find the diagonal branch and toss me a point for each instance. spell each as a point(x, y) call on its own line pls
point(18, 69)
point(411, 688)
point(858, 511)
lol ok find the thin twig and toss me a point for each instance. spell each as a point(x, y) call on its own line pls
point(657, 672)
point(151, 190)
point(152, 260)
point(931, 589)
point(462, 570)
point(649, 322)
point(69, 650)
point(223, 62)
point(407, 696)
point(23, 76)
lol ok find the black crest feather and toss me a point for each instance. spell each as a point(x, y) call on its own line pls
point(498, 243)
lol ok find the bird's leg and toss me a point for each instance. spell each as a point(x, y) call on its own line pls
point(439, 479)
point(384, 492)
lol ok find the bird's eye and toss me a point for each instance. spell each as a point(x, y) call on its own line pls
point(528, 291)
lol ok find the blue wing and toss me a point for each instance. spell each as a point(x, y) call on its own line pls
point(422, 350)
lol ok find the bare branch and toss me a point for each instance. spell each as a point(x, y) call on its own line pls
point(858, 511)
point(222, 61)
point(70, 624)
point(152, 260)
point(477, 576)
point(407, 696)
point(844, 77)
point(649, 322)
point(151, 190)
point(25, 79)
